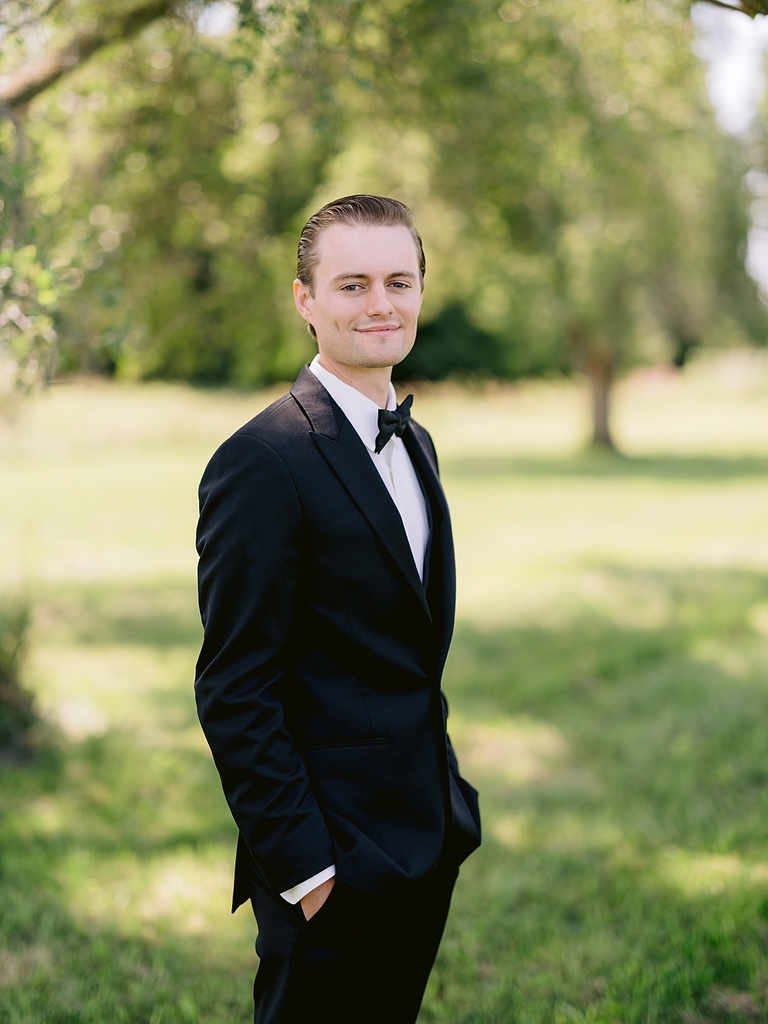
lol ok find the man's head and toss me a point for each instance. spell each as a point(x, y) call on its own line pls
point(371, 211)
point(360, 282)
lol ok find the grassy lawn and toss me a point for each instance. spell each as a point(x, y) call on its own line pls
point(608, 691)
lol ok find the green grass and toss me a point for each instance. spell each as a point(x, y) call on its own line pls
point(608, 691)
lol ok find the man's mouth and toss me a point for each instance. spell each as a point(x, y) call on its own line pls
point(378, 328)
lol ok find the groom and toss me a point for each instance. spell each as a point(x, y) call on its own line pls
point(327, 589)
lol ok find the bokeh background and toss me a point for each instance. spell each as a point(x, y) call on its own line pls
point(591, 182)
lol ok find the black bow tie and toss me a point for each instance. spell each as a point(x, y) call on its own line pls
point(393, 421)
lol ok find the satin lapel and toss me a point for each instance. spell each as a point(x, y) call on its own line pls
point(425, 466)
point(442, 587)
point(339, 444)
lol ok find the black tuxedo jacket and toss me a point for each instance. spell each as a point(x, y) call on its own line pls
point(318, 682)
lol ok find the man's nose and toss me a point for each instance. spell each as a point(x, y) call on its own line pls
point(379, 300)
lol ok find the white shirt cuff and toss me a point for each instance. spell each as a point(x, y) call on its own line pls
point(300, 891)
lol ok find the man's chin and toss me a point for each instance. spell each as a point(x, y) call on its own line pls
point(390, 358)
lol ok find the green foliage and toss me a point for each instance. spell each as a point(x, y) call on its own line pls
point(29, 292)
point(451, 345)
point(580, 207)
point(575, 154)
point(183, 235)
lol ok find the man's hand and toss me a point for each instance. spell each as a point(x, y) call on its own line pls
point(313, 901)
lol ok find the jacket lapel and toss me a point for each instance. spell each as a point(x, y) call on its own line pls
point(341, 447)
point(441, 591)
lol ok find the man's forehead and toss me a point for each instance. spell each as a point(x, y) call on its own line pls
point(366, 243)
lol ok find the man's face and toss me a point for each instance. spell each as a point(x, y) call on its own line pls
point(366, 298)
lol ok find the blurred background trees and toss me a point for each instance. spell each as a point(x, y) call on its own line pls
point(582, 210)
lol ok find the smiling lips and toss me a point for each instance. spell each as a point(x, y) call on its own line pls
point(378, 328)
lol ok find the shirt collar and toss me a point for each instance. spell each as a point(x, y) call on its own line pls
point(361, 412)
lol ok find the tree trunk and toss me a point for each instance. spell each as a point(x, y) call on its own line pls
point(599, 365)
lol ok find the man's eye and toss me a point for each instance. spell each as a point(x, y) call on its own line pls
point(350, 287)
point(400, 284)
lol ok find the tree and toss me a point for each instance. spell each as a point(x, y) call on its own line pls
point(571, 158)
point(30, 282)
point(567, 154)
point(112, 144)
point(611, 199)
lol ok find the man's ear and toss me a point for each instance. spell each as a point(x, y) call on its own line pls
point(303, 299)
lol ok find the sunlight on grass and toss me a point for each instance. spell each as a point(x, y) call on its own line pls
point(720, 410)
point(113, 684)
point(757, 618)
point(516, 752)
point(181, 891)
point(710, 874)
point(723, 655)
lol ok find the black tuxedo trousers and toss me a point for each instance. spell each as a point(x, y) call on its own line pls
point(318, 682)
point(362, 959)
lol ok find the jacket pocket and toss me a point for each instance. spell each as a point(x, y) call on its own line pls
point(348, 744)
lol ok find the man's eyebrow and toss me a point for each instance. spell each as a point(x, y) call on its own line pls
point(364, 277)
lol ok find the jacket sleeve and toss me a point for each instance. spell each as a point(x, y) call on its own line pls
point(249, 542)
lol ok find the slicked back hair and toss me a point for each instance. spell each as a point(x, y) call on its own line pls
point(371, 211)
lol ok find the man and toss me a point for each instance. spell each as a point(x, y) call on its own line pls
point(327, 592)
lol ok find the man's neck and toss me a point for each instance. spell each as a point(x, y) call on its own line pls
point(373, 382)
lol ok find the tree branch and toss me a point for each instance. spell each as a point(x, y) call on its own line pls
point(20, 86)
point(750, 9)
point(728, 7)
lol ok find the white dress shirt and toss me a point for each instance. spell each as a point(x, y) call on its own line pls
point(396, 470)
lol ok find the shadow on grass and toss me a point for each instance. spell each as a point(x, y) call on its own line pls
point(610, 465)
point(58, 968)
